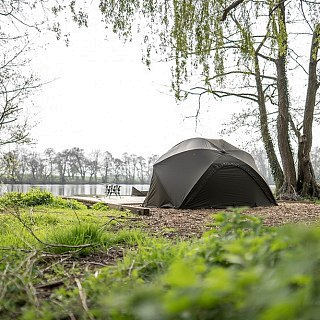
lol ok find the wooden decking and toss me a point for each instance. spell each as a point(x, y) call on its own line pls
point(131, 203)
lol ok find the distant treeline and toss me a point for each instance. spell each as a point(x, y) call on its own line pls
point(73, 166)
point(76, 166)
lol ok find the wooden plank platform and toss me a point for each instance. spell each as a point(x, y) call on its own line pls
point(133, 204)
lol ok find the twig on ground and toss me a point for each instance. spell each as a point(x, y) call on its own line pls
point(3, 284)
point(57, 262)
point(131, 268)
point(112, 218)
point(31, 215)
point(108, 222)
point(50, 286)
point(83, 298)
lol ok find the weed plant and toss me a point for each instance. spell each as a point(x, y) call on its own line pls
point(59, 202)
point(100, 206)
point(37, 197)
point(33, 197)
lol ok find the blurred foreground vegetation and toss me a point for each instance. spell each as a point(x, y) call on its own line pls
point(62, 260)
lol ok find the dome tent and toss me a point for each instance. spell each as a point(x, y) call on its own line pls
point(207, 173)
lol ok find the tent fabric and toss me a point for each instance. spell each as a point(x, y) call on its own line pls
point(207, 173)
point(138, 193)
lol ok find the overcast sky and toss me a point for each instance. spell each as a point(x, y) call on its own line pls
point(103, 97)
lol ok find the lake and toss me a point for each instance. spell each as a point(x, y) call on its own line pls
point(71, 189)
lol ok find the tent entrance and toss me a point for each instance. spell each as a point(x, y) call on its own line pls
point(223, 186)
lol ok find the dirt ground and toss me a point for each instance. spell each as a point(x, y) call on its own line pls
point(189, 223)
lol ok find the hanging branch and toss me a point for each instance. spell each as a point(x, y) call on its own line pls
point(228, 9)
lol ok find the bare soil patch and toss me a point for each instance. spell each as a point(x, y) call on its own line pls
point(288, 212)
point(186, 223)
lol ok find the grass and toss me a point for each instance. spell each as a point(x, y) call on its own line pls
point(89, 235)
point(23, 228)
point(240, 270)
point(71, 262)
point(51, 240)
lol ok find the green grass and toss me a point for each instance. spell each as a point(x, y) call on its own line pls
point(238, 270)
point(41, 241)
point(89, 235)
point(56, 225)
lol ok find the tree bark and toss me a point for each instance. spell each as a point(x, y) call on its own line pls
point(275, 167)
point(306, 184)
point(290, 181)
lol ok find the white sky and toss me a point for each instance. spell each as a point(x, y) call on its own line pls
point(105, 98)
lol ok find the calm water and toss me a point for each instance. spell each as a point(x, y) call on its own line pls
point(72, 189)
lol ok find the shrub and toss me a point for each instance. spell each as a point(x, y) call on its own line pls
point(37, 197)
point(12, 199)
point(34, 197)
point(100, 206)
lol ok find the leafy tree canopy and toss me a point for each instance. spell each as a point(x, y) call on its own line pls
point(212, 36)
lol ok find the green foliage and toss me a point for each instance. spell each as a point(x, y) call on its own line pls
point(91, 234)
point(100, 206)
point(239, 270)
point(26, 263)
point(125, 237)
point(153, 257)
point(58, 202)
point(34, 197)
point(208, 35)
point(37, 197)
point(12, 199)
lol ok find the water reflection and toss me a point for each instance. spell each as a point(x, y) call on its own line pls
point(71, 189)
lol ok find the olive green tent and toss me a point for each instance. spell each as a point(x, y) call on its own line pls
point(207, 173)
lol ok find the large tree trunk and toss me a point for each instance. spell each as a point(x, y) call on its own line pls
point(307, 185)
point(289, 184)
point(275, 167)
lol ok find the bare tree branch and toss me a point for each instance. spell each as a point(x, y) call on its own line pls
point(221, 94)
point(229, 8)
point(247, 73)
